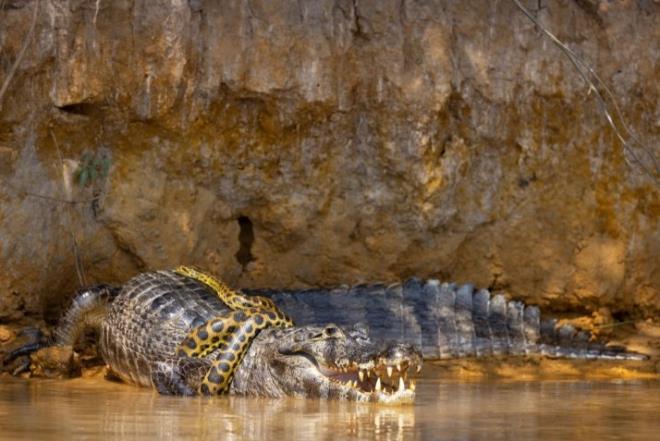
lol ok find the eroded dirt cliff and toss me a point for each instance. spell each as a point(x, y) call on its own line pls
point(281, 143)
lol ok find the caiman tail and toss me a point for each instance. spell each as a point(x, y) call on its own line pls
point(445, 320)
point(87, 311)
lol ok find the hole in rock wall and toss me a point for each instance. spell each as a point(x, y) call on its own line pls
point(84, 109)
point(245, 239)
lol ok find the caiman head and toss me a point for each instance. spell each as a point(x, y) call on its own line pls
point(327, 362)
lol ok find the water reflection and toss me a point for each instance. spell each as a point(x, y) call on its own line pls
point(96, 409)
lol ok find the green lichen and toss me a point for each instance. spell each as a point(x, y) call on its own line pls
point(94, 167)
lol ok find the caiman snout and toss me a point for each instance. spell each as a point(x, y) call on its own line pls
point(388, 377)
point(334, 362)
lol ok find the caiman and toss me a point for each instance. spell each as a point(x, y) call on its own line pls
point(185, 333)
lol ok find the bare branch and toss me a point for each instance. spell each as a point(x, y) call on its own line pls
point(630, 141)
point(21, 54)
point(26, 193)
point(80, 269)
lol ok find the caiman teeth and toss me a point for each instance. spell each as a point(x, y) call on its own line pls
point(385, 381)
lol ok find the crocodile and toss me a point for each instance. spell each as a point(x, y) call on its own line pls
point(157, 330)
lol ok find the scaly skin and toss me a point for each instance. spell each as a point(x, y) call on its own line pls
point(230, 334)
point(232, 299)
point(444, 320)
point(154, 312)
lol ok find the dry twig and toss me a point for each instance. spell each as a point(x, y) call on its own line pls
point(80, 270)
point(630, 141)
point(21, 54)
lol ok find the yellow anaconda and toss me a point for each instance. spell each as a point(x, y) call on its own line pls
point(231, 333)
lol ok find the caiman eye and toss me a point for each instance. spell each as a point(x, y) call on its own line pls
point(332, 331)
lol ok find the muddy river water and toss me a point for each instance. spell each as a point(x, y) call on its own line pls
point(445, 410)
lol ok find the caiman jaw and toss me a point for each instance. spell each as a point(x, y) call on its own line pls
point(380, 380)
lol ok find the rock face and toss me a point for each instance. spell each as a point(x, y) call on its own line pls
point(289, 144)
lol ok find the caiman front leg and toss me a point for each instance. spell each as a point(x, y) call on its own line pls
point(181, 377)
point(231, 335)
